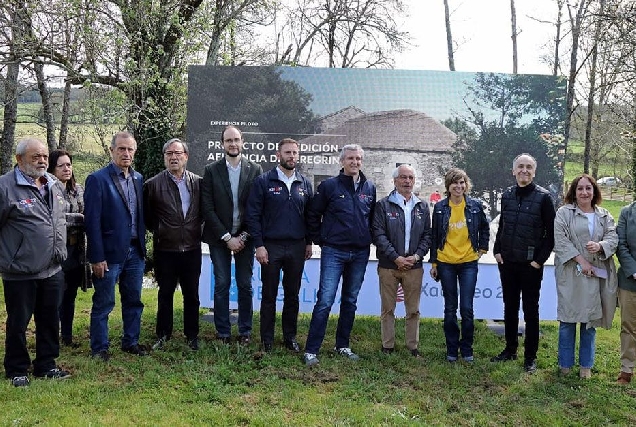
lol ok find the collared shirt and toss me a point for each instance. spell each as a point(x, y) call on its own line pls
point(234, 174)
point(43, 189)
point(130, 196)
point(287, 180)
point(407, 206)
point(184, 194)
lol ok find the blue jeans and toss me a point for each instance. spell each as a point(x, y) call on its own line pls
point(130, 276)
point(221, 258)
point(567, 339)
point(334, 263)
point(450, 275)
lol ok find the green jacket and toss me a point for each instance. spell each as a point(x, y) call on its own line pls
point(626, 251)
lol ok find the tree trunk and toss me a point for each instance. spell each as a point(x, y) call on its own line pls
point(47, 110)
point(513, 21)
point(66, 109)
point(592, 92)
point(575, 23)
point(557, 38)
point(449, 37)
point(10, 115)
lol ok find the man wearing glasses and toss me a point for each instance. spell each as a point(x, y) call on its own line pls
point(172, 212)
point(224, 191)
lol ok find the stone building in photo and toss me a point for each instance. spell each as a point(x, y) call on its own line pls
point(389, 138)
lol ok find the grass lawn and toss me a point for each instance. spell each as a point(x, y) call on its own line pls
point(234, 385)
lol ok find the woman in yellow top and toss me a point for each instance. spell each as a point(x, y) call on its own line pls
point(460, 236)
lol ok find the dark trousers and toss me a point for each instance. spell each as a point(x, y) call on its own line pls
point(288, 257)
point(39, 298)
point(521, 281)
point(72, 282)
point(183, 268)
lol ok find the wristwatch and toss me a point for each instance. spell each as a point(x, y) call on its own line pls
point(226, 237)
point(417, 257)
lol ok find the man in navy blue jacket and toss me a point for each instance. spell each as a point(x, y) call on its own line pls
point(339, 219)
point(275, 217)
point(116, 246)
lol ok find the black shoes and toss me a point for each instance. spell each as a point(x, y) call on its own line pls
point(530, 365)
point(224, 340)
point(292, 345)
point(268, 347)
point(136, 349)
point(103, 356)
point(20, 381)
point(160, 343)
point(504, 356)
point(415, 353)
point(387, 350)
point(68, 342)
point(244, 339)
point(54, 374)
point(194, 344)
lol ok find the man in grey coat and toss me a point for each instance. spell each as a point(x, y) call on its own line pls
point(33, 236)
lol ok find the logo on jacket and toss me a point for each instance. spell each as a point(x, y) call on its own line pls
point(275, 190)
point(27, 203)
point(364, 197)
point(392, 215)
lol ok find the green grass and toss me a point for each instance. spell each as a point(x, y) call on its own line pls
point(233, 385)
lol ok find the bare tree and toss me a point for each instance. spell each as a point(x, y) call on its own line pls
point(449, 37)
point(513, 36)
point(343, 33)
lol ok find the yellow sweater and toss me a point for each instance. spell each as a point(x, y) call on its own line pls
point(458, 248)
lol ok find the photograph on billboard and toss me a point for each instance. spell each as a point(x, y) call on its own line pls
point(429, 119)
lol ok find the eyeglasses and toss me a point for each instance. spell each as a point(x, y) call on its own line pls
point(174, 153)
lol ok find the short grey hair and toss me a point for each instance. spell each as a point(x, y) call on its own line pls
point(23, 145)
point(514, 162)
point(396, 171)
point(351, 147)
point(123, 135)
point(172, 141)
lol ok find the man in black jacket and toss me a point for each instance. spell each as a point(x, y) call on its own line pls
point(224, 191)
point(173, 214)
point(524, 241)
point(275, 217)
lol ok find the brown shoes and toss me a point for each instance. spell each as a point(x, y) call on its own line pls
point(585, 373)
point(624, 378)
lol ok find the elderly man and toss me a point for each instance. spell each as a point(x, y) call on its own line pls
point(115, 234)
point(33, 236)
point(224, 190)
point(339, 220)
point(524, 241)
point(172, 212)
point(402, 236)
point(275, 218)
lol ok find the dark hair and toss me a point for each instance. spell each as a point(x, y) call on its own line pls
point(287, 141)
point(570, 196)
point(454, 175)
point(53, 156)
point(230, 127)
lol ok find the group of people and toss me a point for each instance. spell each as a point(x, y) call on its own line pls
point(51, 229)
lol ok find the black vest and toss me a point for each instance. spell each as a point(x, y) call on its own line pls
point(521, 223)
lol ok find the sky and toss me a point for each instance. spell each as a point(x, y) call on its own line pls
point(482, 30)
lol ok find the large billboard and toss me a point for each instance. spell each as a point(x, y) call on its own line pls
point(430, 119)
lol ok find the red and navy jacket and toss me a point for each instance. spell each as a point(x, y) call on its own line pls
point(274, 213)
point(340, 216)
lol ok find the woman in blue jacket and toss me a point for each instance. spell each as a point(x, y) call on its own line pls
point(460, 236)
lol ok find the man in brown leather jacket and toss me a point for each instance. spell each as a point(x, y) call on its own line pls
point(173, 214)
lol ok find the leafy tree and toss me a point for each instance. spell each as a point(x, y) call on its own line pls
point(508, 114)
